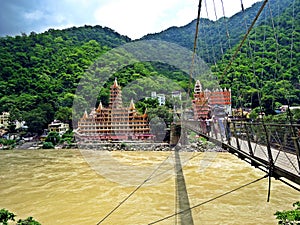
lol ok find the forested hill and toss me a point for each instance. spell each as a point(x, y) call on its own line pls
point(39, 72)
point(267, 67)
point(215, 37)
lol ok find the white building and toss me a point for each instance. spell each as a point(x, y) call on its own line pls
point(160, 97)
point(4, 120)
point(176, 94)
point(59, 127)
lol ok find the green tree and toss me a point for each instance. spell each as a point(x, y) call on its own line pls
point(48, 145)
point(5, 216)
point(289, 217)
point(53, 137)
point(28, 221)
point(64, 114)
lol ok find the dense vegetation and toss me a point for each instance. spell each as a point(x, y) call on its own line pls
point(216, 37)
point(6, 217)
point(40, 72)
point(289, 217)
point(266, 70)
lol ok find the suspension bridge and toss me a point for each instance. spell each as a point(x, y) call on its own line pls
point(273, 148)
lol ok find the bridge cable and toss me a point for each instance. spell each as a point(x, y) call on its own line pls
point(293, 129)
point(289, 114)
point(226, 26)
point(212, 48)
point(270, 158)
point(194, 48)
point(210, 200)
point(150, 177)
point(244, 39)
point(250, 52)
point(218, 28)
point(205, 53)
point(132, 193)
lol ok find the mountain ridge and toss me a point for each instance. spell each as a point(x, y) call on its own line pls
point(40, 72)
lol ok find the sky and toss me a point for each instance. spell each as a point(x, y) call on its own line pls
point(133, 18)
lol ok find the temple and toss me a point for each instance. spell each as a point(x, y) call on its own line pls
point(207, 103)
point(115, 122)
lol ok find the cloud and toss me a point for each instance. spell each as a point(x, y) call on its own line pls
point(133, 18)
point(35, 15)
point(137, 17)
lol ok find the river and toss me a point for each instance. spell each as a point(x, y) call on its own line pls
point(67, 187)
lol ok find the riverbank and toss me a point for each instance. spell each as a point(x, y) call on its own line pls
point(199, 146)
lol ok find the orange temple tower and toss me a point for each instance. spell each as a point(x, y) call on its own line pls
point(114, 122)
point(207, 103)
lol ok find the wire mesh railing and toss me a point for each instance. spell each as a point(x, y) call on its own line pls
point(276, 144)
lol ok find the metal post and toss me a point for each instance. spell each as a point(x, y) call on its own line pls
point(270, 157)
point(236, 137)
point(296, 144)
point(248, 140)
point(271, 162)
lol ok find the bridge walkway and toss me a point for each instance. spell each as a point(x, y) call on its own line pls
point(275, 151)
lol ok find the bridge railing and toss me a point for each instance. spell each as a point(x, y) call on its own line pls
point(279, 136)
point(275, 143)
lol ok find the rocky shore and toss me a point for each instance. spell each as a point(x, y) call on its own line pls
point(198, 146)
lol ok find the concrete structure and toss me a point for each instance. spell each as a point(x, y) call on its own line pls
point(59, 127)
point(4, 120)
point(160, 97)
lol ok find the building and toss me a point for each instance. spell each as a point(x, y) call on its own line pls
point(114, 122)
point(4, 122)
point(160, 97)
point(207, 103)
point(59, 127)
point(4, 118)
point(176, 94)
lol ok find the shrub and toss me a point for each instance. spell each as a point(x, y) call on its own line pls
point(289, 217)
point(48, 145)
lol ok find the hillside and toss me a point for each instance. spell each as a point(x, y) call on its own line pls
point(267, 68)
point(215, 37)
point(40, 72)
point(267, 65)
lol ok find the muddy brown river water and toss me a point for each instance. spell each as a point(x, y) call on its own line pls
point(83, 187)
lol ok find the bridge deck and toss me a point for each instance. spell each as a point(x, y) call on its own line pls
point(285, 163)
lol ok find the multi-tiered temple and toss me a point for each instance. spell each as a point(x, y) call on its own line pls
point(114, 122)
point(207, 103)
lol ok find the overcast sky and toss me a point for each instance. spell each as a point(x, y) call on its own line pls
point(134, 18)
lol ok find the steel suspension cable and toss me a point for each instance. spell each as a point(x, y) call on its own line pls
point(276, 39)
point(195, 47)
point(244, 39)
point(250, 50)
point(132, 193)
point(210, 200)
point(206, 54)
point(150, 177)
point(213, 49)
point(226, 25)
point(216, 17)
point(292, 38)
point(270, 157)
